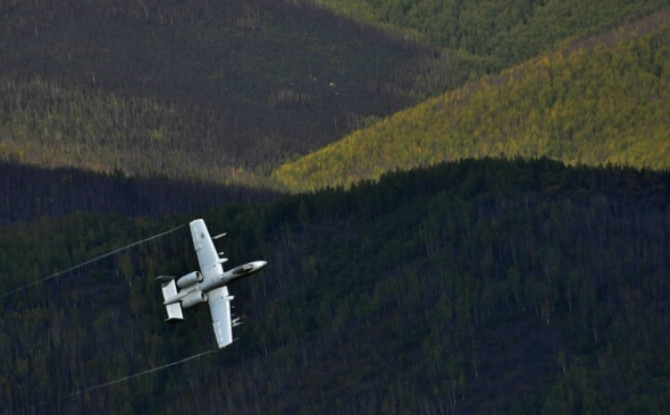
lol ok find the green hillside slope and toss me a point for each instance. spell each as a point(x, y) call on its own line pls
point(594, 105)
point(225, 91)
point(472, 287)
point(200, 89)
point(502, 31)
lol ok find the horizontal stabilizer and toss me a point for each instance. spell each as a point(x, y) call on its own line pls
point(174, 311)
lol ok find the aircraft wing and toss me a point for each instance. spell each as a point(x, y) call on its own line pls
point(219, 305)
point(208, 258)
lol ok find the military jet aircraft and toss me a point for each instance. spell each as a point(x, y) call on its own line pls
point(209, 285)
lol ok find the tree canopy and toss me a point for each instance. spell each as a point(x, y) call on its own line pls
point(589, 104)
point(475, 286)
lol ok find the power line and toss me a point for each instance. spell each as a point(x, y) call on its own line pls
point(145, 372)
point(61, 273)
point(126, 378)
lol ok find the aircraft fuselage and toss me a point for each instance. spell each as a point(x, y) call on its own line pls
point(216, 281)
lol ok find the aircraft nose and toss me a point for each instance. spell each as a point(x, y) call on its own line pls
point(261, 264)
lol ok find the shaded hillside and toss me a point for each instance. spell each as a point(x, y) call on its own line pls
point(188, 89)
point(31, 193)
point(601, 103)
point(500, 32)
point(225, 91)
point(473, 287)
point(46, 124)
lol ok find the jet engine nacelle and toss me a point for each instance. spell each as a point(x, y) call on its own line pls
point(189, 279)
point(194, 298)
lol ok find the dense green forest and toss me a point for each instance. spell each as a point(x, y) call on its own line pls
point(33, 193)
point(500, 32)
point(476, 286)
point(604, 100)
point(418, 275)
point(205, 89)
point(224, 91)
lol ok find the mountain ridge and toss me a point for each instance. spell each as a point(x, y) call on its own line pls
point(492, 285)
point(472, 286)
point(235, 87)
point(36, 193)
point(591, 105)
point(205, 90)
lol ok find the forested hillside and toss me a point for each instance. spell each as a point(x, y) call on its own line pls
point(499, 32)
point(225, 91)
point(31, 193)
point(485, 286)
point(603, 100)
point(207, 89)
point(482, 285)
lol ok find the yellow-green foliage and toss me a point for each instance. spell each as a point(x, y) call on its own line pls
point(42, 123)
point(507, 31)
point(593, 106)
